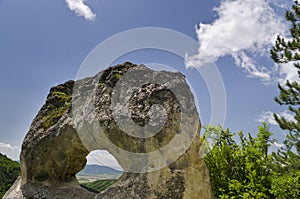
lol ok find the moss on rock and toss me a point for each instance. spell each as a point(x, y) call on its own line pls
point(58, 102)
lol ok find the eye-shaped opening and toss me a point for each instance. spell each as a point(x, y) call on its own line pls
point(101, 171)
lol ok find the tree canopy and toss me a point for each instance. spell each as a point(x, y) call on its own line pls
point(9, 172)
point(247, 169)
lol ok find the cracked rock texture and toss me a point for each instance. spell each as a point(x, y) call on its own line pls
point(68, 127)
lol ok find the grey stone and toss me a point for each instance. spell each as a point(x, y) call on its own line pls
point(65, 130)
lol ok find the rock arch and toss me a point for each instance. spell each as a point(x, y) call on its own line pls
point(55, 149)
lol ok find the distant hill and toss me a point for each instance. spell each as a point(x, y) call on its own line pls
point(9, 172)
point(98, 170)
point(96, 178)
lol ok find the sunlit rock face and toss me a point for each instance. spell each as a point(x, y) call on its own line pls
point(151, 128)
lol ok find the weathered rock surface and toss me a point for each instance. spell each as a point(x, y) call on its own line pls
point(89, 114)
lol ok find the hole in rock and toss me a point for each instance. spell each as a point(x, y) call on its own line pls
point(101, 171)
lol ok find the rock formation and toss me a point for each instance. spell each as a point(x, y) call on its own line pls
point(89, 114)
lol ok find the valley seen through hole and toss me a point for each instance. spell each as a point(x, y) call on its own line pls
point(101, 171)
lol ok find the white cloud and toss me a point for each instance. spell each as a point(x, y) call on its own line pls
point(12, 152)
point(267, 116)
point(248, 64)
point(287, 115)
point(244, 29)
point(102, 157)
point(288, 72)
point(276, 144)
point(7, 146)
point(81, 9)
point(281, 3)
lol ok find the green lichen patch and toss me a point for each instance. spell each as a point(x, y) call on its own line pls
point(58, 102)
point(62, 97)
point(118, 75)
point(101, 84)
point(53, 117)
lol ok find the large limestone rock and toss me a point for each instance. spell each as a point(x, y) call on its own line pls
point(158, 145)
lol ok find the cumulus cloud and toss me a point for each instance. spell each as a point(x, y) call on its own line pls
point(267, 116)
point(102, 157)
point(248, 64)
point(288, 72)
point(7, 146)
point(12, 152)
point(243, 29)
point(81, 9)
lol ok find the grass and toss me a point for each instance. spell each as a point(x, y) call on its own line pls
point(99, 185)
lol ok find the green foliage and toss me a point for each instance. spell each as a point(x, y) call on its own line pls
point(286, 184)
point(240, 170)
point(247, 169)
point(9, 171)
point(98, 185)
point(288, 51)
point(220, 160)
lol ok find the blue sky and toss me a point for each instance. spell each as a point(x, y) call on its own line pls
point(43, 43)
